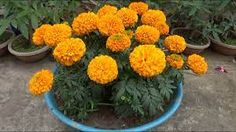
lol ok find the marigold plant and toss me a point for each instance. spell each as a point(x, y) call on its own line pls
point(39, 34)
point(56, 34)
point(69, 51)
point(118, 42)
point(85, 23)
point(129, 17)
point(107, 10)
point(41, 82)
point(139, 7)
point(100, 62)
point(197, 64)
point(147, 35)
point(110, 24)
point(102, 69)
point(175, 43)
point(176, 61)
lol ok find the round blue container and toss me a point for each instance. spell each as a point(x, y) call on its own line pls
point(51, 103)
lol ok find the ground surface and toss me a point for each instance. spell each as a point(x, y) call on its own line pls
point(209, 102)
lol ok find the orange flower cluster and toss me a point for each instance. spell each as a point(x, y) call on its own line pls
point(175, 43)
point(118, 42)
point(69, 51)
point(176, 61)
point(85, 23)
point(128, 16)
point(39, 33)
point(107, 10)
point(41, 82)
point(197, 64)
point(147, 35)
point(139, 7)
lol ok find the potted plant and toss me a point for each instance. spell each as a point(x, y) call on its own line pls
point(5, 38)
point(26, 16)
point(102, 69)
point(221, 31)
point(185, 19)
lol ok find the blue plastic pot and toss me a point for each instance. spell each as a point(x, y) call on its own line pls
point(51, 103)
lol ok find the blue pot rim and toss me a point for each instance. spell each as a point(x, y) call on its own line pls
point(172, 108)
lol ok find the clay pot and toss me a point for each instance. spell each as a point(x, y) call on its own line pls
point(3, 45)
point(192, 48)
point(28, 56)
point(223, 48)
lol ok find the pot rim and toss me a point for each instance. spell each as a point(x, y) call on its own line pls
point(172, 108)
point(12, 51)
point(4, 44)
point(192, 45)
point(221, 43)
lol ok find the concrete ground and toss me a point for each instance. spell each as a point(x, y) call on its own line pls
point(209, 102)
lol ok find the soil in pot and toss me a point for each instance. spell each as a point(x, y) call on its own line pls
point(5, 36)
point(230, 41)
point(22, 45)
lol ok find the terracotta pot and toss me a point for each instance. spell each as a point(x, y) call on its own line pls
point(192, 48)
point(223, 48)
point(3, 46)
point(28, 56)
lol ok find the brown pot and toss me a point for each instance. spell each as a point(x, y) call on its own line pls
point(3, 46)
point(28, 56)
point(223, 48)
point(192, 48)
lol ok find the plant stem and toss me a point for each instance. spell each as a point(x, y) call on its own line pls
point(106, 104)
point(30, 24)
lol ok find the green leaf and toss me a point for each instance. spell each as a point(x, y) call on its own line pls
point(24, 30)
point(34, 21)
point(3, 25)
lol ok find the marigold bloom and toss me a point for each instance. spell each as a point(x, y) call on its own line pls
point(118, 42)
point(147, 35)
point(139, 7)
point(162, 27)
point(151, 17)
point(129, 17)
point(85, 23)
point(147, 60)
point(110, 24)
point(56, 34)
point(39, 33)
point(197, 64)
point(102, 69)
point(69, 51)
point(41, 82)
point(175, 43)
point(107, 10)
point(175, 61)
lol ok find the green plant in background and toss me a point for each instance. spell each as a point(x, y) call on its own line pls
point(27, 15)
point(222, 22)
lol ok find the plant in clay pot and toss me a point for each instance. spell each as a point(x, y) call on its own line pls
point(114, 64)
point(5, 38)
point(221, 28)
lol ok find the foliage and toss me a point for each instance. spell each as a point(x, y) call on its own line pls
point(26, 15)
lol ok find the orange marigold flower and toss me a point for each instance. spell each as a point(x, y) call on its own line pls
point(175, 43)
point(147, 34)
point(129, 17)
point(139, 7)
point(176, 61)
point(118, 42)
point(110, 24)
point(102, 69)
point(151, 17)
point(85, 23)
point(56, 34)
point(107, 10)
point(69, 51)
point(39, 33)
point(162, 27)
point(147, 60)
point(41, 82)
point(197, 64)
